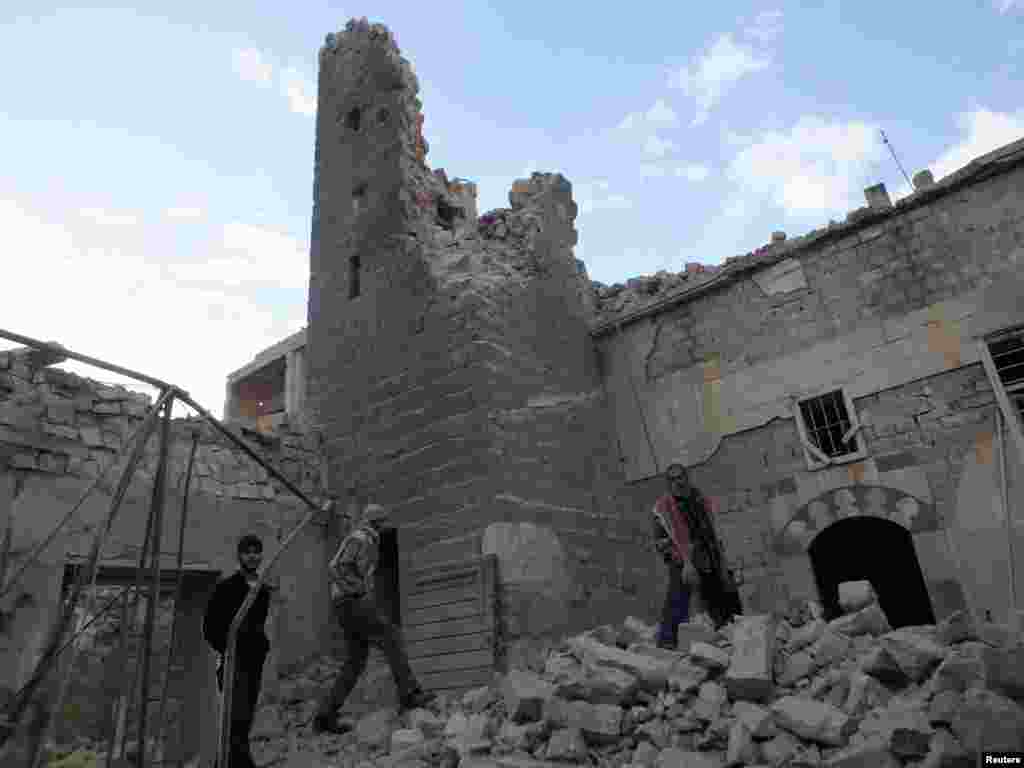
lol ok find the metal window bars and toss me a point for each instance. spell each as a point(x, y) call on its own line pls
point(56, 644)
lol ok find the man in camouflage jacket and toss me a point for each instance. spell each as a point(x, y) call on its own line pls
point(351, 572)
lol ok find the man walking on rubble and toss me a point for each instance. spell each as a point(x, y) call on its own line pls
point(685, 538)
point(351, 573)
point(251, 645)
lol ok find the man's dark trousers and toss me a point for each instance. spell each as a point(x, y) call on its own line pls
point(248, 677)
point(362, 625)
point(676, 609)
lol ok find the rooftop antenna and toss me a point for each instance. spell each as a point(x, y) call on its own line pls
point(885, 140)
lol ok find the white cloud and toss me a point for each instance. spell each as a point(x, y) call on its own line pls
point(249, 256)
point(184, 212)
point(651, 171)
point(725, 62)
point(661, 114)
point(983, 131)
point(597, 196)
point(113, 302)
point(1005, 6)
point(818, 166)
point(300, 92)
point(250, 65)
point(658, 147)
point(694, 172)
point(105, 218)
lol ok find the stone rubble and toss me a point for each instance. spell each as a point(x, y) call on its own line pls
point(927, 697)
point(916, 696)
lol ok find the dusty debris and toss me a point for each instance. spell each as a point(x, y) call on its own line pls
point(899, 697)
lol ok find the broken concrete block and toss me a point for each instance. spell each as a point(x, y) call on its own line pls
point(598, 719)
point(946, 752)
point(404, 738)
point(678, 758)
point(867, 621)
point(989, 721)
point(645, 754)
point(1004, 670)
point(749, 675)
point(881, 665)
point(479, 699)
point(854, 595)
point(653, 673)
point(962, 668)
point(757, 719)
point(567, 744)
point(525, 694)
point(741, 749)
point(690, 633)
point(806, 635)
point(710, 700)
point(863, 756)
point(910, 743)
point(796, 667)
point(956, 628)
point(914, 653)
point(831, 648)
point(374, 730)
point(597, 684)
point(813, 720)
point(687, 677)
point(709, 656)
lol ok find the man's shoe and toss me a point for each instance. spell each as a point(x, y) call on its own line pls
point(329, 724)
point(417, 700)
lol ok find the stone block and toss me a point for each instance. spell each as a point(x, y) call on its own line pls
point(863, 756)
point(711, 698)
point(374, 730)
point(916, 654)
point(678, 758)
point(910, 743)
point(404, 738)
point(567, 744)
point(987, 720)
point(795, 668)
point(831, 648)
point(855, 595)
point(687, 677)
point(1004, 670)
point(741, 749)
point(962, 668)
point(750, 672)
point(525, 694)
point(652, 673)
point(867, 621)
point(597, 684)
point(690, 633)
point(806, 635)
point(946, 752)
point(757, 719)
point(956, 628)
point(596, 719)
point(813, 720)
point(645, 754)
point(709, 656)
point(881, 665)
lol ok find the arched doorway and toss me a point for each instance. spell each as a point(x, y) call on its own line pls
point(875, 550)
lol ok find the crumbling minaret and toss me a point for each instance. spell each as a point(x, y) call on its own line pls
point(451, 371)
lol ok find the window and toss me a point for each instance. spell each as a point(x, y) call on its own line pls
point(1008, 361)
point(353, 276)
point(829, 429)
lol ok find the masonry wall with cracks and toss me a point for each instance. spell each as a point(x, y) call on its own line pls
point(58, 430)
point(459, 385)
point(892, 307)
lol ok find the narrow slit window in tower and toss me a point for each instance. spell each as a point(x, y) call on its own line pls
point(353, 276)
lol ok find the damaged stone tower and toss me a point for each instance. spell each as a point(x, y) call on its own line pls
point(451, 371)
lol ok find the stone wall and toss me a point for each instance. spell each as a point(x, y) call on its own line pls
point(459, 386)
point(59, 430)
point(893, 310)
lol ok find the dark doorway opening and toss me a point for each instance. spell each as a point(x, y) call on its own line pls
point(875, 550)
point(386, 579)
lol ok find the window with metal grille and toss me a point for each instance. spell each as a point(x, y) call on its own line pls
point(1008, 358)
point(828, 427)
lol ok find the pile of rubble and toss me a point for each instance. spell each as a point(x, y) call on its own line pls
point(764, 691)
point(640, 292)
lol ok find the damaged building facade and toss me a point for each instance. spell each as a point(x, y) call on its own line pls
point(850, 400)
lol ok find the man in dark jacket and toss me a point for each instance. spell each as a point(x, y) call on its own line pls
point(251, 647)
point(351, 573)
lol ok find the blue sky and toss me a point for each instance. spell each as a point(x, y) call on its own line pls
point(156, 189)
